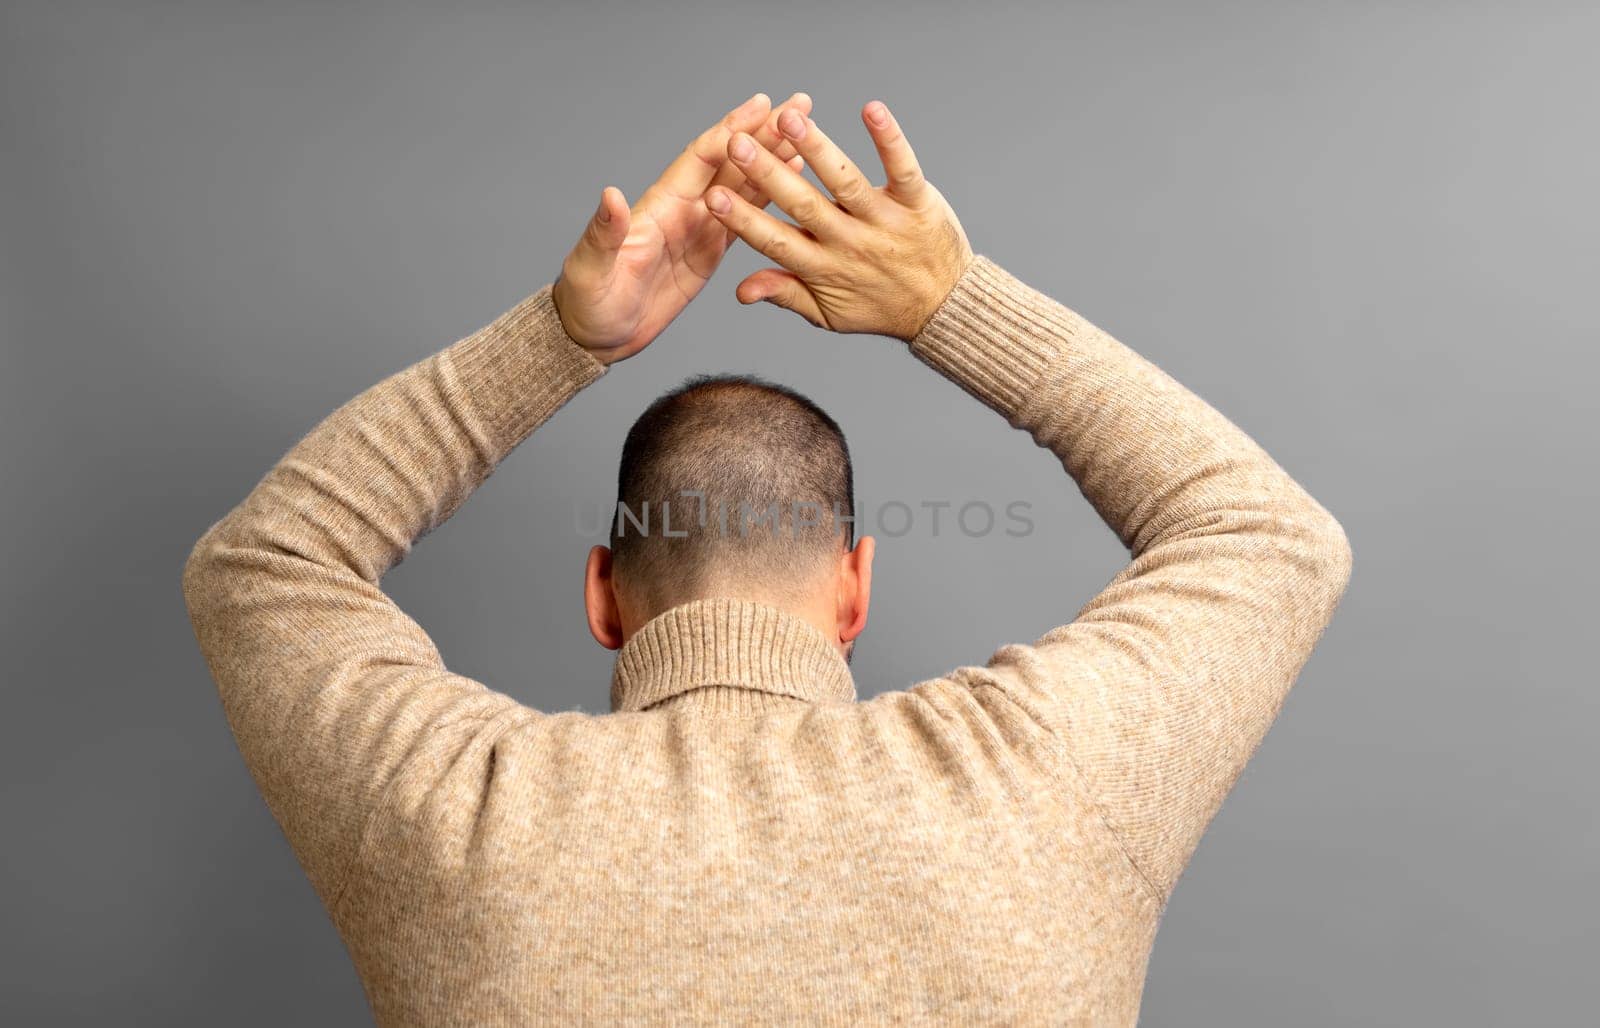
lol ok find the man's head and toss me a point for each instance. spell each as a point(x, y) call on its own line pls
point(731, 486)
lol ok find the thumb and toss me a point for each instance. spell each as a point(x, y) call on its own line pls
point(781, 289)
point(603, 237)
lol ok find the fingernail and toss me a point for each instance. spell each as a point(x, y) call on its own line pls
point(793, 124)
point(605, 211)
point(751, 102)
point(717, 200)
point(878, 114)
point(742, 149)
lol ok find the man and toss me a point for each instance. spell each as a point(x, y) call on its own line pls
point(739, 839)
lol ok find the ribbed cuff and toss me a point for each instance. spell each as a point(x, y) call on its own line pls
point(520, 369)
point(994, 336)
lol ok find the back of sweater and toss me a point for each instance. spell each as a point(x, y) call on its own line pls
point(914, 857)
point(739, 838)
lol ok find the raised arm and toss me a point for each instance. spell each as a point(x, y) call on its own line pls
point(329, 687)
point(331, 690)
point(1164, 684)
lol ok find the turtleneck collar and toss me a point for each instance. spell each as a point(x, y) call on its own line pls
point(769, 656)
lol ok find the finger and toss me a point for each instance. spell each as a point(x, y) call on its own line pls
point(768, 136)
point(750, 191)
point(899, 163)
point(788, 189)
point(778, 240)
point(833, 167)
point(757, 199)
point(689, 175)
point(781, 289)
point(602, 238)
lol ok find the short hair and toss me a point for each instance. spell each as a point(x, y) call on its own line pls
point(730, 478)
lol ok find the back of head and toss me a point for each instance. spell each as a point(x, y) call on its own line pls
point(730, 485)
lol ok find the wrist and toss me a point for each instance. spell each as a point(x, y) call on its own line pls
point(608, 352)
point(558, 301)
point(938, 295)
point(993, 335)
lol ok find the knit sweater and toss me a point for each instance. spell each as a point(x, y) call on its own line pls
point(741, 838)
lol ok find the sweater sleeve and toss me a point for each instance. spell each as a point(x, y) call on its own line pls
point(1166, 682)
point(328, 686)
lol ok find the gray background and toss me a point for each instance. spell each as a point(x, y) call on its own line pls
point(1367, 235)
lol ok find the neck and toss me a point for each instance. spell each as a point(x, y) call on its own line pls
point(707, 651)
point(814, 608)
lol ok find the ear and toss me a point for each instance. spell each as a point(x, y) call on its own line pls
point(600, 600)
point(855, 589)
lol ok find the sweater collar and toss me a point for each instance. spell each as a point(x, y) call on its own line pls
point(729, 642)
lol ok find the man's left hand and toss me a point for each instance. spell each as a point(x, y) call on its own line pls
point(634, 270)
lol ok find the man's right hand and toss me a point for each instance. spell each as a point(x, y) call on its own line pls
point(866, 259)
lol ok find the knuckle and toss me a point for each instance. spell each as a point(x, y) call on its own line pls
point(701, 149)
point(906, 178)
point(806, 209)
point(855, 194)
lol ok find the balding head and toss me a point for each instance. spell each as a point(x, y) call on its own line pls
point(732, 487)
point(730, 484)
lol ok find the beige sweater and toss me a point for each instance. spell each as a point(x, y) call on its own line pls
point(740, 839)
